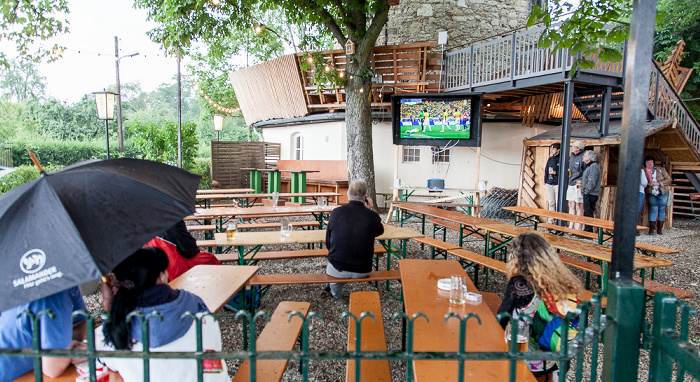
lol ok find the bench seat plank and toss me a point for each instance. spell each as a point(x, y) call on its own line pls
point(373, 338)
point(438, 244)
point(320, 278)
point(651, 287)
point(455, 227)
point(286, 255)
point(280, 334)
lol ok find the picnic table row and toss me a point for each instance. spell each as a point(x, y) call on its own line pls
point(247, 199)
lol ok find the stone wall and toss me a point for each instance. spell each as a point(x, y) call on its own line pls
point(466, 21)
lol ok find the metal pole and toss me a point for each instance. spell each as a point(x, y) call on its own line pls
point(107, 133)
point(565, 145)
point(217, 135)
point(605, 111)
point(634, 113)
point(179, 113)
point(119, 96)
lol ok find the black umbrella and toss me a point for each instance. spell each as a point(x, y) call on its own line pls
point(74, 225)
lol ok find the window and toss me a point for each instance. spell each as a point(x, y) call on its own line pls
point(298, 143)
point(441, 155)
point(411, 154)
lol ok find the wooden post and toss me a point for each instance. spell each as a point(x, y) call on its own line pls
point(477, 199)
point(395, 195)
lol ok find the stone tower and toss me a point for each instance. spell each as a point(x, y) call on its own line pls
point(466, 21)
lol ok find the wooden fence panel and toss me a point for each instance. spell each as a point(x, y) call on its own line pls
point(228, 158)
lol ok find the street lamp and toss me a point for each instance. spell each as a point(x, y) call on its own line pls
point(104, 101)
point(117, 60)
point(218, 124)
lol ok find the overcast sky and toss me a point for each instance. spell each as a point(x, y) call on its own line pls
point(88, 62)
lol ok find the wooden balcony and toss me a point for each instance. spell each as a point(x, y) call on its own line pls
point(278, 89)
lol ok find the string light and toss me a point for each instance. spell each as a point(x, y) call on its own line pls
point(227, 110)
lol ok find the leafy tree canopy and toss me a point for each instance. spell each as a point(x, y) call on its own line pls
point(24, 23)
point(21, 81)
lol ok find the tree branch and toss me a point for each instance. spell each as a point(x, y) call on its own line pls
point(378, 22)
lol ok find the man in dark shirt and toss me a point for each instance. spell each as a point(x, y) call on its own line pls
point(350, 237)
point(551, 178)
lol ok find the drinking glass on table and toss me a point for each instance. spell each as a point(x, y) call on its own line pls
point(231, 230)
point(523, 334)
point(458, 290)
point(321, 201)
point(275, 199)
point(285, 229)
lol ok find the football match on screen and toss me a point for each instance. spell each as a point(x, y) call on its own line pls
point(442, 119)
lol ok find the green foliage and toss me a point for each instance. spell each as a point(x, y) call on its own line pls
point(22, 82)
point(23, 23)
point(60, 120)
point(592, 27)
point(15, 120)
point(56, 152)
point(159, 142)
point(325, 75)
point(21, 175)
point(201, 166)
point(233, 129)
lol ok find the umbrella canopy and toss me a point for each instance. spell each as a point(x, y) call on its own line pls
point(74, 225)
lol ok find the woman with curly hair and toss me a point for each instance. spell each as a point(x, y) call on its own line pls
point(541, 287)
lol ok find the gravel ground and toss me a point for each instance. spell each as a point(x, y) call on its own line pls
point(331, 333)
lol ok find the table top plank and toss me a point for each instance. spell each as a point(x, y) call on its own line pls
point(607, 225)
point(304, 236)
point(226, 191)
point(215, 284)
point(419, 281)
point(215, 196)
point(263, 210)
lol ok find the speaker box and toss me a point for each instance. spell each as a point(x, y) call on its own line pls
point(436, 184)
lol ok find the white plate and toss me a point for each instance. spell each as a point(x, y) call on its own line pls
point(443, 284)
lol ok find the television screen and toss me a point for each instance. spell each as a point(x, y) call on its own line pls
point(437, 119)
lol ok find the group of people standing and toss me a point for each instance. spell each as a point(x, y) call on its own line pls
point(585, 184)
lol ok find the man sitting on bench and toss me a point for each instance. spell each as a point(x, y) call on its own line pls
point(350, 237)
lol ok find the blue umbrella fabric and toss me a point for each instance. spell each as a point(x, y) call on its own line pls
point(74, 225)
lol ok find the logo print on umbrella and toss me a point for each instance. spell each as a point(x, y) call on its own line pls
point(32, 261)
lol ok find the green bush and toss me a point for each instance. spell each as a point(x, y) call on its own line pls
point(22, 174)
point(201, 167)
point(64, 153)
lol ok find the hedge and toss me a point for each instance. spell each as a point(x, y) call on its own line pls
point(64, 153)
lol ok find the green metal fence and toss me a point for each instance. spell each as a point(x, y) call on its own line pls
point(670, 347)
point(592, 323)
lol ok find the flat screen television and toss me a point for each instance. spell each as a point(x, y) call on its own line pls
point(422, 119)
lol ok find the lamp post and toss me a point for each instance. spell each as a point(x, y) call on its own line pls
point(218, 124)
point(104, 101)
point(118, 59)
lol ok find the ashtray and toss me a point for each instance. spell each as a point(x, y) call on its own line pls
point(443, 284)
point(472, 297)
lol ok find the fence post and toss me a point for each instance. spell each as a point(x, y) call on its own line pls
point(621, 355)
point(660, 365)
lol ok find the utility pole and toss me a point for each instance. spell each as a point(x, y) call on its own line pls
point(119, 93)
point(179, 112)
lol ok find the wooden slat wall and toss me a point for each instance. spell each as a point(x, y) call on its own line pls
point(543, 107)
point(227, 159)
point(272, 89)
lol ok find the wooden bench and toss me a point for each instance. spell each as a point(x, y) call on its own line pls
point(320, 278)
point(455, 227)
point(651, 287)
point(201, 227)
point(373, 338)
point(277, 225)
point(286, 255)
point(435, 244)
point(280, 334)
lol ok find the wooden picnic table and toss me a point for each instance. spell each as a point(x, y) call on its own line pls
point(604, 227)
point(222, 214)
point(226, 191)
point(421, 295)
point(215, 284)
point(257, 239)
point(274, 179)
point(251, 198)
point(298, 183)
point(484, 228)
point(472, 196)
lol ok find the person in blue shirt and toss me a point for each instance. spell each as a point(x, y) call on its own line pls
point(60, 333)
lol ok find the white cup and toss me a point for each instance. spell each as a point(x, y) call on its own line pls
point(458, 290)
point(321, 201)
point(275, 199)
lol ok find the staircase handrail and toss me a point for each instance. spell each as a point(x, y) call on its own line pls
point(685, 119)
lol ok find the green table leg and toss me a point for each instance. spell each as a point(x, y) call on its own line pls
point(274, 181)
point(256, 180)
point(300, 180)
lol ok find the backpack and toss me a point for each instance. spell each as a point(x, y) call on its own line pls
point(547, 325)
point(234, 304)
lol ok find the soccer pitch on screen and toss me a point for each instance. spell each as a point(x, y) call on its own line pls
point(437, 129)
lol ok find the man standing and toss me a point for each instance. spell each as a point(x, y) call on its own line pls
point(551, 178)
point(590, 184)
point(350, 237)
point(573, 194)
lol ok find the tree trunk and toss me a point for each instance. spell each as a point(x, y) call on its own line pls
point(358, 121)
